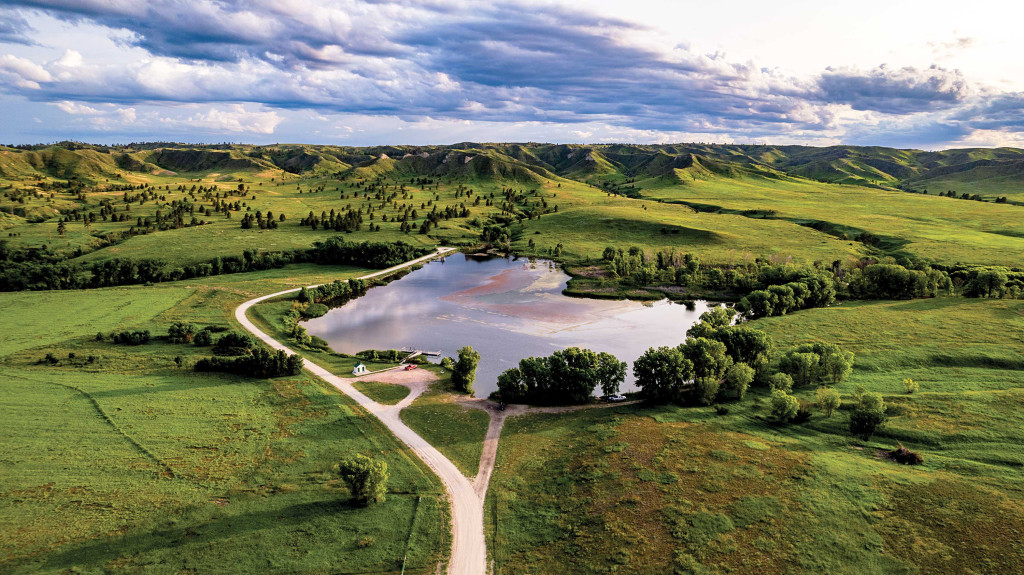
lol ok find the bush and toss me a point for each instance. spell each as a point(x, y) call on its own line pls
point(828, 400)
point(181, 332)
point(136, 337)
point(782, 407)
point(781, 381)
point(868, 416)
point(803, 413)
point(905, 456)
point(203, 338)
point(261, 363)
point(315, 310)
point(910, 386)
point(234, 343)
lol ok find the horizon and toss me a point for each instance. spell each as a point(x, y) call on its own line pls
point(358, 73)
point(493, 143)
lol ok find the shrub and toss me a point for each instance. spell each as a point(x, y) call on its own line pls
point(781, 381)
point(260, 363)
point(910, 386)
point(782, 407)
point(828, 400)
point(868, 416)
point(905, 456)
point(203, 338)
point(234, 343)
point(803, 413)
point(315, 310)
point(181, 332)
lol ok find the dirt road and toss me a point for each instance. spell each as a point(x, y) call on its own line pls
point(469, 551)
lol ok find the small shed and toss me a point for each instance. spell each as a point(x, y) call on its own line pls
point(360, 369)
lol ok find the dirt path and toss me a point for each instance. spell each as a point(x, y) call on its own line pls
point(469, 550)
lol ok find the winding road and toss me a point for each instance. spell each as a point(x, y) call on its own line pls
point(469, 550)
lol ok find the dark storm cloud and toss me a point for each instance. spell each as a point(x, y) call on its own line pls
point(894, 91)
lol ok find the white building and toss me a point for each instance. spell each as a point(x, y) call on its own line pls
point(360, 369)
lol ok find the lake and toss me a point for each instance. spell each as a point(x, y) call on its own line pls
point(506, 309)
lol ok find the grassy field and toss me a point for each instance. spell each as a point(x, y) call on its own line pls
point(457, 432)
point(386, 393)
point(651, 490)
point(939, 229)
point(130, 463)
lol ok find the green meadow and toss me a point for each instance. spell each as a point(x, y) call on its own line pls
point(122, 459)
point(128, 462)
point(651, 490)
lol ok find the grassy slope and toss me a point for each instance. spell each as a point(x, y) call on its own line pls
point(648, 489)
point(940, 229)
point(130, 461)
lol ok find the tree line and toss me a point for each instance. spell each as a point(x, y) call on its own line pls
point(38, 269)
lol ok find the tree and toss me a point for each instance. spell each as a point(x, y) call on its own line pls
point(709, 364)
point(367, 479)
point(781, 381)
point(662, 374)
point(737, 379)
point(802, 367)
point(465, 369)
point(868, 416)
point(782, 407)
point(712, 320)
point(610, 373)
point(828, 400)
point(838, 366)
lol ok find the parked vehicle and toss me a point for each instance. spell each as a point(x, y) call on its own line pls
point(411, 367)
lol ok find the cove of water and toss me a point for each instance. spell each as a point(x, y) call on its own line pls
point(506, 309)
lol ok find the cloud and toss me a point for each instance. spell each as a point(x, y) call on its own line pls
point(14, 29)
point(250, 63)
point(234, 118)
point(23, 73)
point(894, 91)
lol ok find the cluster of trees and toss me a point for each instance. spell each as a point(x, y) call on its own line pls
point(250, 221)
point(772, 289)
point(565, 377)
point(719, 361)
point(337, 251)
point(259, 362)
point(36, 269)
point(891, 281)
point(333, 294)
point(131, 337)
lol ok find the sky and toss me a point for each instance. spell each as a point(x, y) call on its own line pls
point(910, 74)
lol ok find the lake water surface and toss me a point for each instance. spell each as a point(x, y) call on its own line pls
point(506, 310)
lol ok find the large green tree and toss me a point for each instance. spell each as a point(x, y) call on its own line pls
point(366, 478)
point(464, 373)
point(662, 374)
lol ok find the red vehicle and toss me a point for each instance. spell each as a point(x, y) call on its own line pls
point(411, 366)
